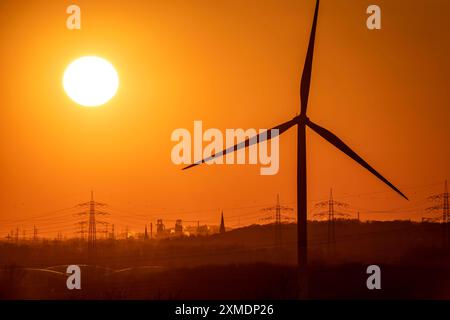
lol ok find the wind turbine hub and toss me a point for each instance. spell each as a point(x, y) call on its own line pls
point(302, 119)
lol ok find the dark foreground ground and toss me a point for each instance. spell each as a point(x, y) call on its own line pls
point(241, 264)
point(253, 281)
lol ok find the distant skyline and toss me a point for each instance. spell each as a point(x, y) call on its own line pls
point(230, 64)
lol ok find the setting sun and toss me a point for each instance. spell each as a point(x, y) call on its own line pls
point(90, 81)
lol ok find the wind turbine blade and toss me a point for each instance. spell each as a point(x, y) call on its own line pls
point(305, 83)
point(250, 141)
point(338, 143)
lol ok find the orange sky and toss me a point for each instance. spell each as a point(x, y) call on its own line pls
point(232, 64)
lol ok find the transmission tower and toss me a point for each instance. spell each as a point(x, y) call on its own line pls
point(278, 209)
point(442, 207)
point(35, 234)
point(113, 232)
point(92, 234)
point(82, 231)
point(92, 222)
point(105, 229)
point(331, 214)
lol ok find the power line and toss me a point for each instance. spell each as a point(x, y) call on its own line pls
point(443, 206)
point(92, 221)
point(331, 204)
point(278, 208)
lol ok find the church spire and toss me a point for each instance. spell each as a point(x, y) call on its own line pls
point(222, 225)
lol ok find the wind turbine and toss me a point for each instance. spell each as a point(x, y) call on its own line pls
point(302, 121)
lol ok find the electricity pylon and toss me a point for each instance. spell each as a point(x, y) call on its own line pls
point(443, 208)
point(331, 204)
point(82, 231)
point(113, 232)
point(35, 234)
point(278, 208)
point(105, 230)
point(92, 221)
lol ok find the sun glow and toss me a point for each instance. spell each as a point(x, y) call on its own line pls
point(90, 81)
